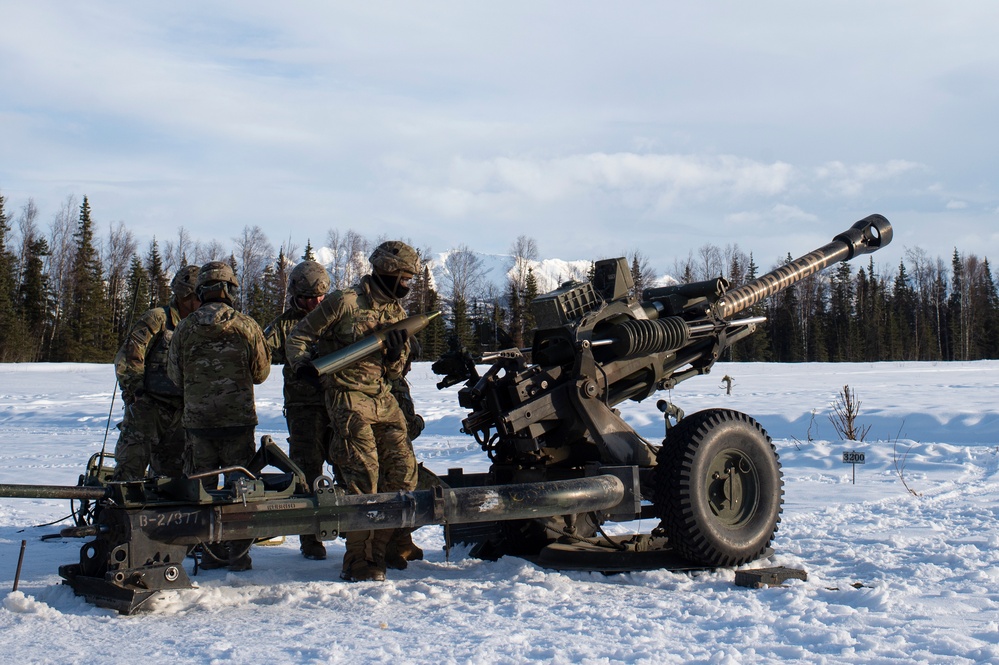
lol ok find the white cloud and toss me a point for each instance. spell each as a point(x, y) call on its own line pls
point(851, 179)
point(640, 180)
point(957, 205)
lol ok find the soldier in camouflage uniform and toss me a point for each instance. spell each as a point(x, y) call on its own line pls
point(216, 356)
point(369, 449)
point(151, 434)
point(308, 421)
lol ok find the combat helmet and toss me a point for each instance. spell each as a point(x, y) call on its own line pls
point(394, 257)
point(216, 280)
point(184, 282)
point(309, 279)
point(392, 263)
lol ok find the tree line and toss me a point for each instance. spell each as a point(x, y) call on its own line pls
point(71, 294)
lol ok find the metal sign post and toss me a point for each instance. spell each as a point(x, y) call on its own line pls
point(854, 458)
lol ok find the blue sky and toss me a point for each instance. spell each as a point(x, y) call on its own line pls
point(595, 128)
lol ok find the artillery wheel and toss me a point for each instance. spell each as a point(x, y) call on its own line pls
point(718, 488)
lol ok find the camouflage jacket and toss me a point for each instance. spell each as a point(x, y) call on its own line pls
point(216, 356)
point(141, 362)
point(296, 391)
point(343, 318)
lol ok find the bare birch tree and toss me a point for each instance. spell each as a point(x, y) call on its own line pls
point(28, 229)
point(253, 252)
point(349, 260)
point(119, 248)
point(213, 250)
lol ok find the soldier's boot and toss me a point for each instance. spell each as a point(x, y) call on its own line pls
point(239, 555)
point(364, 558)
point(214, 556)
point(312, 547)
point(401, 549)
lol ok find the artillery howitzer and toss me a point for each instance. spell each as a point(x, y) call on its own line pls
point(714, 484)
point(563, 460)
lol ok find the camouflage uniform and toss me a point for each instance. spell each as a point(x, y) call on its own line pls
point(304, 410)
point(370, 449)
point(371, 452)
point(150, 431)
point(216, 356)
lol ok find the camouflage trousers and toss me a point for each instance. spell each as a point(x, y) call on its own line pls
point(308, 438)
point(369, 447)
point(151, 435)
point(214, 448)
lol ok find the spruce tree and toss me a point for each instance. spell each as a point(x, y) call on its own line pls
point(35, 301)
point(756, 347)
point(87, 335)
point(516, 311)
point(433, 338)
point(159, 285)
point(309, 254)
point(842, 330)
point(939, 315)
point(990, 317)
point(957, 332)
point(461, 324)
point(11, 326)
point(636, 277)
point(901, 321)
point(530, 293)
point(786, 340)
point(136, 292)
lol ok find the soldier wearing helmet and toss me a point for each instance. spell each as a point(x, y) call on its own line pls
point(308, 421)
point(150, 430)
point(369, 449)
point(216, 356)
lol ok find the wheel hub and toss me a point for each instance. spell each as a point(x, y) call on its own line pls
point(733, 487)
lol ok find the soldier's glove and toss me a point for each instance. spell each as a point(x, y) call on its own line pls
point(128, 397)
point(415, 426)
point(307, 373)
point(395, 344)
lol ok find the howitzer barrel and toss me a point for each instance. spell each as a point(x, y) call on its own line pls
point(347, 356)
point(868, 235)
point(52, 492)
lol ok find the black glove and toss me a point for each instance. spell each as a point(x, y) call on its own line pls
point(395, 344)
point(307, 373)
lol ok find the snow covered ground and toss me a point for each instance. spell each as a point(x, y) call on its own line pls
point(894, 576)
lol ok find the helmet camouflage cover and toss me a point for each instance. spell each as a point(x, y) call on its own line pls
point(216, 271)
point(185, 281)
point(395, 257)
point(309, 279)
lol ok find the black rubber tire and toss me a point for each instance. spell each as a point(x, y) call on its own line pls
point(718, 488)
